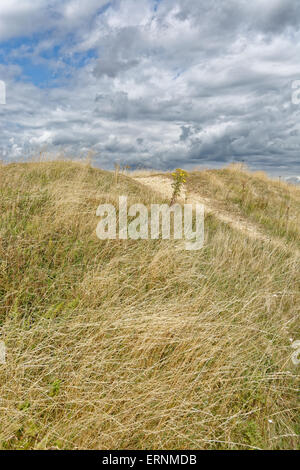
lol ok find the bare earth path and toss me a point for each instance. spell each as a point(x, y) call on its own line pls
point(163, 186)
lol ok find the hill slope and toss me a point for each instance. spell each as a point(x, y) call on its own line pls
point(251, 203)
point(134, 344)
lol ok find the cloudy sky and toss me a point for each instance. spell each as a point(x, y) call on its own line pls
point(155, 83)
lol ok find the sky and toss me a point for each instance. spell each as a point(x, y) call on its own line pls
point(152, 83)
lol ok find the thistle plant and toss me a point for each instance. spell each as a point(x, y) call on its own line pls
point(179, 179)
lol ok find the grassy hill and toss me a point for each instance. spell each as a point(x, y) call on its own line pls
point(134, 344)
point(273, 205)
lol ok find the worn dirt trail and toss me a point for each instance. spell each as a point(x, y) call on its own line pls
point(163, 186)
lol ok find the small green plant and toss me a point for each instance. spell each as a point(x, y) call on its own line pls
point(24, 406)
point(179, 179)
point(54, 388)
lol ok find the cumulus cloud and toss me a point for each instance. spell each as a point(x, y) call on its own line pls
point(159, 84)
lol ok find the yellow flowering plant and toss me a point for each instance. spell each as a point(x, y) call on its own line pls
point(179, 179)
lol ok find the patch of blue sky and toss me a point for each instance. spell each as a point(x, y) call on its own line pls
point(39, 75)
point(11, 46)
point(156, 4)
point(80, 59)
point(105, 7)
point(22, 51)
point(38, 69)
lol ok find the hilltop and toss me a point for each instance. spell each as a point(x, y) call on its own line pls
point(123, 344)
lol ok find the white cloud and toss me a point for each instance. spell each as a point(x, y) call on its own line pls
point(22, 17)
point(193, 82)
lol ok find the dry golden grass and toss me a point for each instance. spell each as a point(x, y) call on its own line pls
point(274, 206)
point(136, 345)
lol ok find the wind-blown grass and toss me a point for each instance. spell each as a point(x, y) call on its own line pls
point(134, 344)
